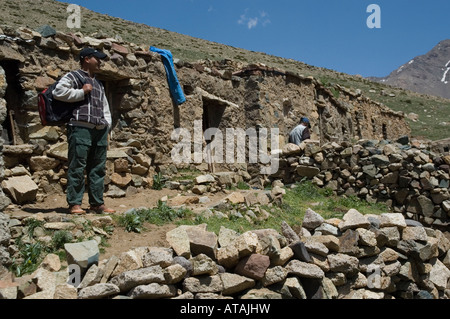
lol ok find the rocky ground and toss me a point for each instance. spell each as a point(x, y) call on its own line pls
point(356, 257)
point(120, 240)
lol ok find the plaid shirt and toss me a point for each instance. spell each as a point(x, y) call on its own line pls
point(93, 109)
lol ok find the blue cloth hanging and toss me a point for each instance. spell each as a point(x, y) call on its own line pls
point(172, 79)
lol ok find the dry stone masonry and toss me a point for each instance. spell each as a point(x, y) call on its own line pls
point(222, 94)
point(357, 257)
point(409, 177)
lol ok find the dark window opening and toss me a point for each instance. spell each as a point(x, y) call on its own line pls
point(13, 97)
point(188, 89)
point(385, 135)
point(287, 107)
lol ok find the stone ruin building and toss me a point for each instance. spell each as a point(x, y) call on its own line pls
point(350, 153)
point(222, 94)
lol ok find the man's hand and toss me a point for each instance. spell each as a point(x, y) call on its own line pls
point(87, 88)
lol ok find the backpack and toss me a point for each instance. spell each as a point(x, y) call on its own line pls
point(53, 112)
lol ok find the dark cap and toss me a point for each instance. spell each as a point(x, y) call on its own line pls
point(91, 52)
point(306, 121)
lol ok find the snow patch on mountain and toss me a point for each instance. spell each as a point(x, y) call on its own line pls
point(445, 73)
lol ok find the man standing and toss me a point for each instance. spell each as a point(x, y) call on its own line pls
point(300, 132)
point(87, 133)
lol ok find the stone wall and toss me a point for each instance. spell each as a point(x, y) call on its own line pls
point(222, 94)
point(4, 200)
point(357, 257)
point(441, 146)
point(407, 176)
point(5, 237)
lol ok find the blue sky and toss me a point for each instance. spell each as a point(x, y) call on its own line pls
point(326, 33)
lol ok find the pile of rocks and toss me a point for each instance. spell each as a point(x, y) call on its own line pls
point(210, 183)
point(29, 229)
point(248, 203)
point(406, 176)
point(358, 257)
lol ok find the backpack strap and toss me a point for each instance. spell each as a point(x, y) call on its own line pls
point(78, 77)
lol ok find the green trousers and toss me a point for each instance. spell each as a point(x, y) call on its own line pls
point(87, 153)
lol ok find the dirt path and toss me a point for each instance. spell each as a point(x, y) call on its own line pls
point(120, 240)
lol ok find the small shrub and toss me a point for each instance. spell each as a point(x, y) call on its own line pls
point(32, 224)
point(307, 190)
point(31, 255)
point(158, 181)
point(131, 221)
point(163, 214)
point(60, 238)
point(242, 185)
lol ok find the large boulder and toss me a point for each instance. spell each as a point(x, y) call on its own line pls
point(21, 189)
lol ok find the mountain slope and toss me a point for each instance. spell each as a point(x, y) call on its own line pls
point(427, 74)
point(433, 112)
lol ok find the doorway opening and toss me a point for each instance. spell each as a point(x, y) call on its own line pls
point(13, 97)
point(212, 114)
point(212, 119)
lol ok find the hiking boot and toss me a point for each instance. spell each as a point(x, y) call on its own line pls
point(76, 210)
point(102, 209)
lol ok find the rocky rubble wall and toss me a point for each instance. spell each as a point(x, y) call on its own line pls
point(357, 257)
point(5, 237)
point(405, 175)
point(4, 200)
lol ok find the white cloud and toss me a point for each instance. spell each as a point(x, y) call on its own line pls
point(242, 19)
point(252, 22)
point(265, 18)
